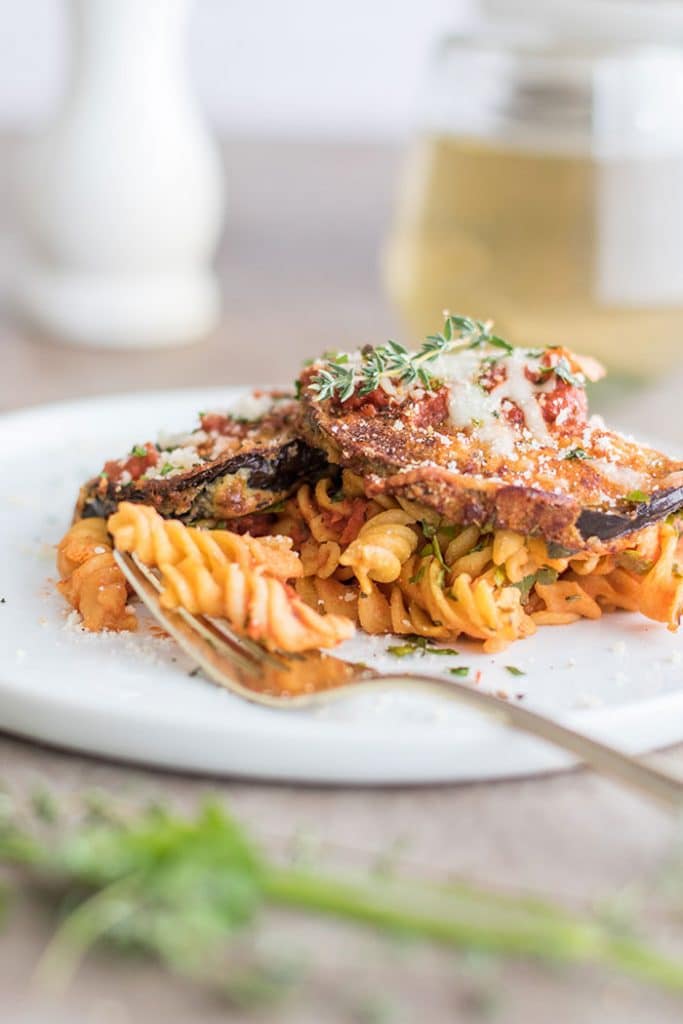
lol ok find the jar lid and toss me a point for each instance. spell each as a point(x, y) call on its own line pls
point(648, 21)
point(565, 76)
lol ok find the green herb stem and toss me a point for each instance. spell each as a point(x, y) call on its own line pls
point(183, 889)
point(91, 920)
point(463, 919)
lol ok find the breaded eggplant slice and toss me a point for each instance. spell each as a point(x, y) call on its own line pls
point(494, 437)
point(236, 464)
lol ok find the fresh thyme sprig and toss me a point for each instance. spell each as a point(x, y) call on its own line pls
point(341, 379)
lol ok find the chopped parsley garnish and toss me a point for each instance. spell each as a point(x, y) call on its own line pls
point(437, 552)
point(167, 468)
point(419, 575)
point(461, 670)
point(543, 576)
point(558, 550)
point(139, 450)
point(514, 671)
point(636, 496)
point(414, 644)
point(402, 650)
point(577, 453)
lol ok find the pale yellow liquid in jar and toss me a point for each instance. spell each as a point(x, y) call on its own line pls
point(520, 237)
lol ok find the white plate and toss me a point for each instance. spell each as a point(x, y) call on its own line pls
point(131, 696)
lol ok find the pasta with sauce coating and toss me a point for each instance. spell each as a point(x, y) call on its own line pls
point(221, 574)
point(91, 581)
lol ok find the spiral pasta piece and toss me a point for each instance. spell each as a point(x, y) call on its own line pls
point(221, 574)
point(262, 607)
point(474, 607)
point(382, 546)
point(158, 541)
point(91, 580)
point(661, 595)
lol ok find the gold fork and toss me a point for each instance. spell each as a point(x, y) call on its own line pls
point(303, 680)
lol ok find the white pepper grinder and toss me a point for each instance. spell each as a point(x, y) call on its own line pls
point(121, 198)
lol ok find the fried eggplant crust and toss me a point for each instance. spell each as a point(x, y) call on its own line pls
point(493, 437)
point(230, 467)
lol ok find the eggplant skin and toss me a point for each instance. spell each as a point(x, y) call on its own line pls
point(240, 485)
point(607, 526)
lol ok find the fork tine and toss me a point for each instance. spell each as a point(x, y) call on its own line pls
point(195, 643)
point(221, 636)
point(230, 665)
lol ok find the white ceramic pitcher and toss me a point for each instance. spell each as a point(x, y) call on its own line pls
point(121, 198)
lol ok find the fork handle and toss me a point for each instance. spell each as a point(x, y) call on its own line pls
point(607, 760)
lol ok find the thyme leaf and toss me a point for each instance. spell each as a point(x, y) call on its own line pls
point(563, 370)
point(339, 379)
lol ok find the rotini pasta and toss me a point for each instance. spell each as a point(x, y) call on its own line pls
point(336, 558)
point(91, 581)
point(406, 572)
point(221, 574)
point(384, 543)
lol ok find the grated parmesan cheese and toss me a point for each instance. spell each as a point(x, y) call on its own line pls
point(179, 460)
point(249, 407)
point(624, 477)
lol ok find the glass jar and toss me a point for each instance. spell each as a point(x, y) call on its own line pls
point(545, 188)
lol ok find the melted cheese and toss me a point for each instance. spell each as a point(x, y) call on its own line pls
point(472, 407)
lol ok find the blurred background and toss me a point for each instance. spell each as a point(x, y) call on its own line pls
point(261, 68)
point(306, 107)
point(227, 179)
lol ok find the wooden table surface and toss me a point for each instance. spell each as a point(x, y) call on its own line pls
point(300, 272)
